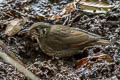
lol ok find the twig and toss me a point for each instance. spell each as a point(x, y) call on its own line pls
point(10, 53)
point(17, 65)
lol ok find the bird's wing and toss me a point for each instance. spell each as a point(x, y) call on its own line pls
point(68, 36)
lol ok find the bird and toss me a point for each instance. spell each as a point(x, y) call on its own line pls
point(63, 41)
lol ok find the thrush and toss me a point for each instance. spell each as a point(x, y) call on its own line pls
point(63, 41)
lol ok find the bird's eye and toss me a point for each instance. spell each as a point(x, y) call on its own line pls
point(44, 31)
point(37, 30)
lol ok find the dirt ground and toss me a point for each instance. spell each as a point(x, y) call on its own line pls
point(49, 68)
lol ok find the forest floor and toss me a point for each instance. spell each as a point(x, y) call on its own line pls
point(48, 68)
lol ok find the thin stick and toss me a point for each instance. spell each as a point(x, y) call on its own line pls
point(17, 65)
point(10, 53)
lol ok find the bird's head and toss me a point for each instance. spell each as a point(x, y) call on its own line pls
point(41, 28)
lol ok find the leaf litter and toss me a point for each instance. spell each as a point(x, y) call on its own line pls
point(52, 68)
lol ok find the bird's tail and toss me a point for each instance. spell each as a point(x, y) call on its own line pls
point(102, 42)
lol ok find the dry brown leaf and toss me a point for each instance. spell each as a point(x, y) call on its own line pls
point(68, 9)
point(56, 17)
point(15, 26)
point(81, 62)
point(89, 6)
point(86, 60)
point(11, 13)
point(95, 6)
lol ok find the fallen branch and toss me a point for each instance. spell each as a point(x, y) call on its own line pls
point(17, 65)
point(8, 52)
